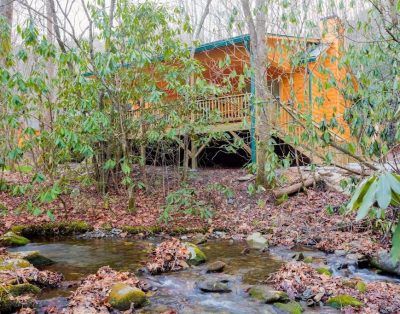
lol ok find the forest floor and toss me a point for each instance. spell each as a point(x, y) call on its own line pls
point(312, 218)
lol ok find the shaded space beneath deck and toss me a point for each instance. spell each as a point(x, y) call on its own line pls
point(222, 153)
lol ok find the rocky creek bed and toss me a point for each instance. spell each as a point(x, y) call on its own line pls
point(237, 277)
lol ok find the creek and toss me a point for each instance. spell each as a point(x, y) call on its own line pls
point(76, 259)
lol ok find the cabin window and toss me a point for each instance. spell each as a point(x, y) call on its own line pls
point(274, 88)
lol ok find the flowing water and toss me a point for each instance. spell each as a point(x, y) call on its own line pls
point(76, 259)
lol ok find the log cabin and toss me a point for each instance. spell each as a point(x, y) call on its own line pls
point(304, 78)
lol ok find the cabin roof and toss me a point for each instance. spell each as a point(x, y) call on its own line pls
point(312, 54)
point(241, 39)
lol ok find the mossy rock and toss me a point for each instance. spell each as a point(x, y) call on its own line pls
point(182, 230)
point(53, 228)
point(14, 263)
point(24, 288)
point(324, 271)
point(106, 226)
point(12, 239)
point(196, 256)
point(257, 241)
point(10, 305)
point(266, 295)
point(35, 258)
point(308, 260)
point(292, 307)
point(142, 229)
point(122, 296)
point(361, 286)
point(343, 300)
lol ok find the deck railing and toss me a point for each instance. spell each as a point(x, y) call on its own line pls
point(216, 110)
point(225, 109)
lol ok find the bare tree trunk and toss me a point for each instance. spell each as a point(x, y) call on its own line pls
point(258, 31)
point(6, 10)
point(50, 67)
point(191, 79)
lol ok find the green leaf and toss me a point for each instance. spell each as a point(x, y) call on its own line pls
point(125, 168)
point(36, 211)
point(50, 215)
point(110, 164)
point(394, 182)
point(383, 192)
point(360, 192)
point(38, 178)
point(367, 201)
point(395, 251)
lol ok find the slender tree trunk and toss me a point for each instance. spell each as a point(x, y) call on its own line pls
point(258, 31)
point(6, 10)
point(190, 80)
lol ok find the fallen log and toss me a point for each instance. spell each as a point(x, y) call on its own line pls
point(297, 187)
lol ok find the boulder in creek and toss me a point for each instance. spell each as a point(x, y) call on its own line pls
point(214, 285)
point(14, 297)
point(13, 264)
point(257, 241)
point(268, 295)
point(123, 295)
point(383, 261)
point(292, 307)
point(196, 256)
point(12, 239)
point(34, 257)
point(216, 267)
point(343, 300)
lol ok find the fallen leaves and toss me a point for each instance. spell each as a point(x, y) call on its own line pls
point(301, 281)
point(303, 219)
point(170, 255)
point(91, 295)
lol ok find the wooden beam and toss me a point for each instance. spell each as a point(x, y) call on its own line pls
point(245, 146)
point(189, 151)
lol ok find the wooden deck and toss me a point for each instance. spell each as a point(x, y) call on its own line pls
point(231, 113)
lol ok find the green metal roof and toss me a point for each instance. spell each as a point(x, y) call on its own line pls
point(241, 39)
point(223, 43)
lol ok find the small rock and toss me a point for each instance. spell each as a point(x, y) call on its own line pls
point(324, 271)
point(317, 298)
point(356, 257)
point(34, 257)
point(343, 300)
point(214, 285)
point(247, 177)
point(12, 239)
point(216, 267)
point(122, 296)
point(382, 260)
point(197, 256)
point(14, 263)
point(308, 260)
point(267, 295)
point(299, 256)
point(361, 286)
point(257, 241)
point(340, 252)
point(199, 239)
point(292, 307)
point(220, 234)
